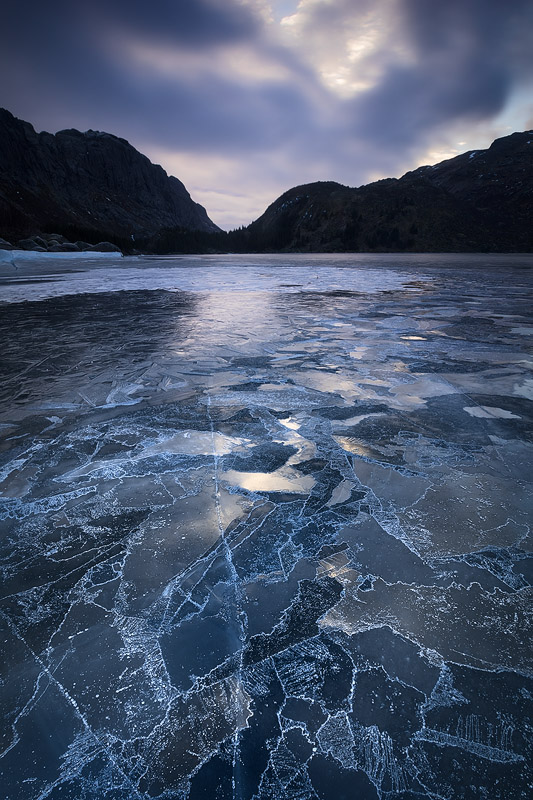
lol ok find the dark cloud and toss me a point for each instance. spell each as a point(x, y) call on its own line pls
point(225, 116)
point(222, 115)
point(186, 23)
point(66, 61)
point(65, 53)
point(466, 58)
point(409, 105)
point(459, 25)
point(202, 23)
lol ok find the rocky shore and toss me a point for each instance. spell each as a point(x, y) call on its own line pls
point(55, 243)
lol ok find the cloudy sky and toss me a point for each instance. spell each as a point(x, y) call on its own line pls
point(242, 99)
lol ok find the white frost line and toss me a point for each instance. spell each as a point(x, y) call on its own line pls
point(235, 578)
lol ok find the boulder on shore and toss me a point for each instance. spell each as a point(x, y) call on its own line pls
point(5, 245)
point(31, 244)
point(66, 247)
point(105, 247)
point(55, 238)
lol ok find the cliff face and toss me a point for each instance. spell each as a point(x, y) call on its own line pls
point(94, 186)
point(86, 185)
point(478, 201)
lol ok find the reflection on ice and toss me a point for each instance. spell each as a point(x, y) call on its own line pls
point(489, 412)
point(190, 442)
point(291, 423)
point(283, 480)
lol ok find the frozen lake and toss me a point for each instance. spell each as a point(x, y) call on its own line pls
point(266, 527)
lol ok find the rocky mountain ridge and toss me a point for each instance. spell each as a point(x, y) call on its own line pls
point(88, 186)
point(480, 200)
point(96, 188)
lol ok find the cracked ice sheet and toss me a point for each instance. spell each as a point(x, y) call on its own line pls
point(265, 528)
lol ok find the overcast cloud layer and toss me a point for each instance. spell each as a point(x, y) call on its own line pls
point(242, 99)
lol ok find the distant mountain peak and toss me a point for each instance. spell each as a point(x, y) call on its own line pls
point(479, 200)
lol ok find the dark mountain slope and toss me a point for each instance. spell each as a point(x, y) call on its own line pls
point(481, 200)
point(86, 185)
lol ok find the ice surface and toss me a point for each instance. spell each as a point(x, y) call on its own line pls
point(27, 257)
point(266, 527)
point(221, 276)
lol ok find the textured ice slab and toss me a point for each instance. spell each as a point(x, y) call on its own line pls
point(265, 528)
point(26, 257)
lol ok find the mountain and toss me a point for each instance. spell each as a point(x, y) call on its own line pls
point(94, 186)
point(88, 185)
point(478, 201)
